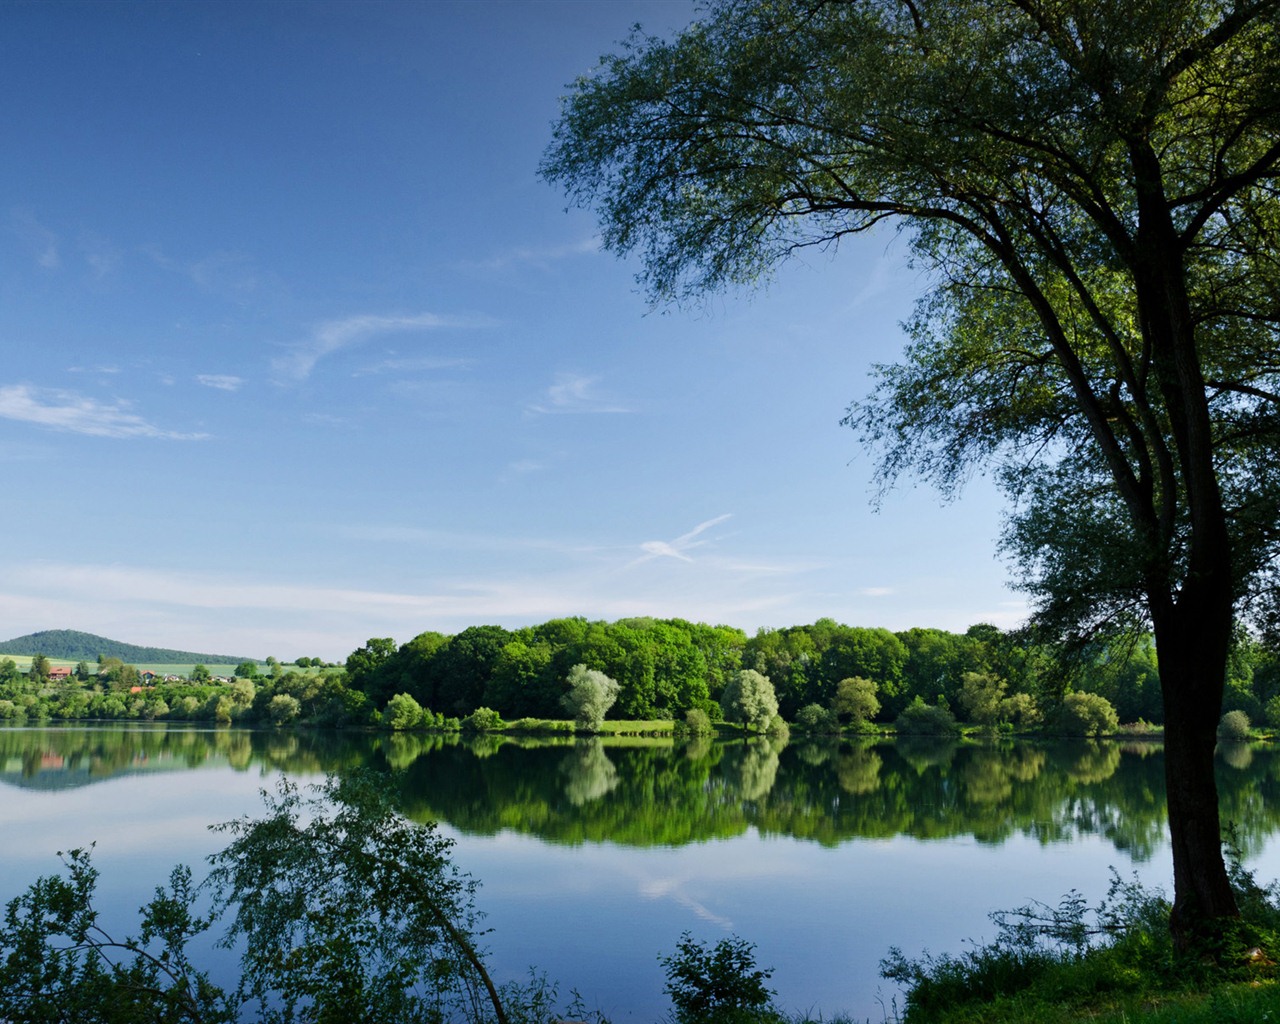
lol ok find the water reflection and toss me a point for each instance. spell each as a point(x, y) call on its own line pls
point(653, 792)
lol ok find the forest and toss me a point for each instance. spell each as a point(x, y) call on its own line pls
point(664, 668)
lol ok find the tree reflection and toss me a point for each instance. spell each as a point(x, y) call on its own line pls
point(653, 792)
point(589, 774)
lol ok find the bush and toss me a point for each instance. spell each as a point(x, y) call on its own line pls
point(856, 698)
point(1086, 714)
point(402, 712)
point(921, 719)
point(482, 720)
point(720, 985)
point(697, 723)
point(1234, 727)
point(816, 718)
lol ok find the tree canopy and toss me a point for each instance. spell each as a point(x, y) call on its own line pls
point(1092, 188)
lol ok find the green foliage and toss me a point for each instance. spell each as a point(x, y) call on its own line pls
point(1086, 714)
point(718, 985)
point(482, 720)
point(402, 712)
point(283, 708)
point(1234, 727)
point(749, 698)
point(855, 701)
point(696, 723)
point(342, 911)
point(816, 718)
point(1055, 963)
point(58, 963)
point(921, 719)
point(247, 670)
point(590, 696)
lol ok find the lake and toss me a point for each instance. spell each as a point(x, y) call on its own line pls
point(595, 856)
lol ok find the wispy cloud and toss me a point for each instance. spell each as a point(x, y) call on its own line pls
point(875, 591)
point(93, 369)
point(40, 241)
point(220, 381)
point(231, 274)
point(677, 548)
point(65, 410)
point(414, 364)
point(541, 257)
point(103, 258)
point(575, 393)
point(335, 335)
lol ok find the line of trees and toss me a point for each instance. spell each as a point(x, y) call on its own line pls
point(666, 667)
point(823, 675)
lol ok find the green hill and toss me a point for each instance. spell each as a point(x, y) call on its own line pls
point(72, 645)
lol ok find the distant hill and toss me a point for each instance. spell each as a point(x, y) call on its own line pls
point(72, 645)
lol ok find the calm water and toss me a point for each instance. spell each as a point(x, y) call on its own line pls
point(594, 857)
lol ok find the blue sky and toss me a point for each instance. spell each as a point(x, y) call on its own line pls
point(299, 350)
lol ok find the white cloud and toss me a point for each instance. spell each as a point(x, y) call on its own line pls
point(335, 335)
point(42, 242)
point(220, 381)
point(574, 393)
point(677, 548)
point(229, 274)
point(65, 410)
point(414, 364)
point(103, 258)
point(875, 591)
point(541, 257)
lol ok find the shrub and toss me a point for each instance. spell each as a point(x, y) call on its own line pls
point(482, 720)
point(816, 718)
point(281, 709)
point(403, 712)
point(720, 985)
point(1234, 727)
point(1086, 714)
point(921, 719)
point(697, 723)
point(856, 699)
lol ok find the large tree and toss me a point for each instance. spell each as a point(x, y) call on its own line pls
point(1092, 185)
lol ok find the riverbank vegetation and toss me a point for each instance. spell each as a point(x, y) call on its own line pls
point(825, 677)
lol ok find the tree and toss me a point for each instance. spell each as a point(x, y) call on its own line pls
point(590, 696)
point(342, 910)
point(720, 985)
point(39, 670)
point(247, 670)
point(981, 697)
point(200, 674)
point(402, 712)
point(855, 699)
point(283, 708)
point(1088, 714)
point(748, 698)
point(1093, 190)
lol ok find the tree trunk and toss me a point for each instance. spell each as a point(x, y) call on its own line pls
point(1192, 644)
